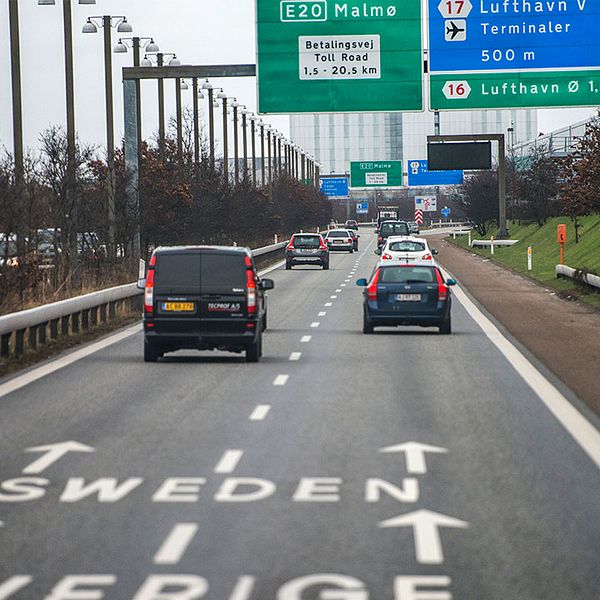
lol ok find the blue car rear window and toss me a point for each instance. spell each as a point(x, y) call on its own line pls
point(407, 274)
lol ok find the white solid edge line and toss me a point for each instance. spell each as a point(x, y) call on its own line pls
point(281, 380)
point(64, 361)
point(177, 542)
point(295, 356)
point(260, 412)
point(228, 462)
point(306, 338)
point(580, 429)
point(271, 268)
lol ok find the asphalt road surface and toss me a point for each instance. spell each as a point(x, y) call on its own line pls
point(202, 476)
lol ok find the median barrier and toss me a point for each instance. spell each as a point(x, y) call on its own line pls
point(82, 312)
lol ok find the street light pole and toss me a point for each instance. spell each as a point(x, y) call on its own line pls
point(196, 122)
point(245, 143)
point(262, 153)
point(269, 130)
point(222, 96)
point(236, 167)
point(179, 119)
point(253, 137)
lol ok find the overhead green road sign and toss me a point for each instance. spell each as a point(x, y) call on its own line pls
point(328, 56)
point(383, 173)
point(514, 53)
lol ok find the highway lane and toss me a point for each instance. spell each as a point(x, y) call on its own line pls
point(287, 494)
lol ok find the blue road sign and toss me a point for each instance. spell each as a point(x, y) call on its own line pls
point(335, 187)
point(420, 175)
point(445, 212)
point(501, 35)
point(362, 208)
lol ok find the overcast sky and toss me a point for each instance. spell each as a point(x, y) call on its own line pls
point(199, 31)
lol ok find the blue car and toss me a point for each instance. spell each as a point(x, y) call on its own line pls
point(411, 294)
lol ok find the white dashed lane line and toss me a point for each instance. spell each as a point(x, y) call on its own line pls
point(315, 324)
point(174, 547)
point(281, 380)
point(322, 313)
point(306, 338)
point(260, 412)
point(333, 297)
point(328, 304)
point(295, 356)
point(228, 462)
point(338, 290)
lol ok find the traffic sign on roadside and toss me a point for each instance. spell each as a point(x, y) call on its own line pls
point(445, 212)
point(387, 173)
point(420, 175)
point(334, 187)
point(517, 53)
point(325, 56)
point(362, 208)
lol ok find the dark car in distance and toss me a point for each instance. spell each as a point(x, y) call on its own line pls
point(351, 224)
point(411, 294)
point(307, 249)
point(388, 228)
point(204, 298)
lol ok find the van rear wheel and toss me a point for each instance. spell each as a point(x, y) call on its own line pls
point(151, 351)
point(254, 351)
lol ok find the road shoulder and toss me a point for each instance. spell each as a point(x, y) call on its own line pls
point(562, 335)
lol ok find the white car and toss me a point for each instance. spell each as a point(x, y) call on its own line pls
point(339, 239)
point(408, 250)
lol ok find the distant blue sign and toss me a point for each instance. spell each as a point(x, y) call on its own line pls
point(445, 212)
point(420, 175)
point(335, 187)
point(362, 208)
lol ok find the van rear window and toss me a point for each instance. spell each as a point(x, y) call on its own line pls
point(394, 229)
point(177, 273)
point(223, 273)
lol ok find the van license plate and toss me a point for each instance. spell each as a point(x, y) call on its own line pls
point(178, 306)
point(408, 297)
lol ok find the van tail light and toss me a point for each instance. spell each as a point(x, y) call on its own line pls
point(442, 287)
point(149, 289)
point(250, 292)
point(372, 289)
point(426, 257)
point(387, 256)
point(322, 245)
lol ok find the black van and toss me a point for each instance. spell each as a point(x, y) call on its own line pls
point(204, 298)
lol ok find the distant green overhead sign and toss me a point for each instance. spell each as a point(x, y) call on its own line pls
point(384, 173)
point(327, 56)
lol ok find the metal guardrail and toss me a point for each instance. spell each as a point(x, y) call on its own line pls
point(75, 314)
point(495, 243)
point(578, 275)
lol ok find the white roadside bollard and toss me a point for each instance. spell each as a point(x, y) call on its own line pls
point(469, 238)
point(275, 238)
point(492, 245)
point(529, 258)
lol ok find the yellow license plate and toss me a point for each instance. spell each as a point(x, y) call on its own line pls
point(178, 306)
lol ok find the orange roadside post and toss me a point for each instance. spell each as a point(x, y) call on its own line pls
point(562, 240)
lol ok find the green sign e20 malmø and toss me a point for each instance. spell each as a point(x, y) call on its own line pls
point(371, 174)
point(329, 56)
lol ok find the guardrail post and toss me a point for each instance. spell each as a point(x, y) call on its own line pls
point(54, 329)
point(75, 322)
point(85, 319)
point(42, 332)
point(112, 310)
point(64, 325)
point(33, 337)
point(5, 346)
point(20, 342)
point(94, 316)
point(103, 312)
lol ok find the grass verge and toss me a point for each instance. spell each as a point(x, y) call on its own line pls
point(584, 255)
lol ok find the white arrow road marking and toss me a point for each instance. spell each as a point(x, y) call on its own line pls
point(306, 338)
point(281, 380)
point(228, 462)
point(425, 524)
point(295, 356)
point(260, 412)
point(177, 542)
point(53, 453)
point(415, 455)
